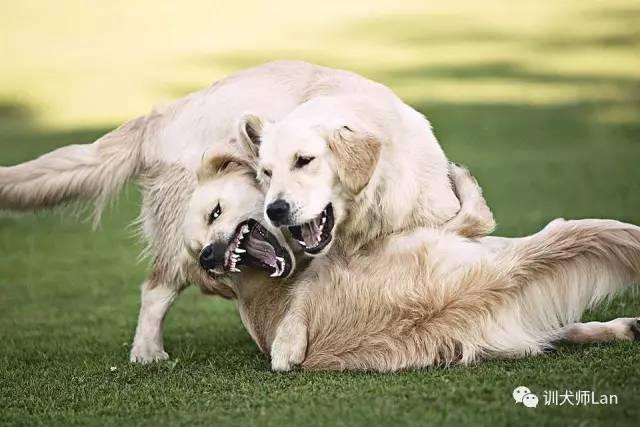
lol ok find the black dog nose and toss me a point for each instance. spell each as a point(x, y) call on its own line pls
point(212, 256)
point(278, 211)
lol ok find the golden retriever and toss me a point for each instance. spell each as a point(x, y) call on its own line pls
point(362, 181)
point(409, 300)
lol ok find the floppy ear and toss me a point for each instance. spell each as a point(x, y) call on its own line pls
point(250, 128)
point(217, 164)
point(357, 156)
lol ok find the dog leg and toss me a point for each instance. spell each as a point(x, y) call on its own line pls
point(620, 329)
point(289, 346)
point(148, 345)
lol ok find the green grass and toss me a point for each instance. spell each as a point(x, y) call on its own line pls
point(540, 100)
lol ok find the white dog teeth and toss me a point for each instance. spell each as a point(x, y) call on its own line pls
point(240, 250)
point(279, 269)
point(235, 270)
point(302, 243)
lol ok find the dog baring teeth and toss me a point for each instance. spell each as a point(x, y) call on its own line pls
point(233, 256)
point(255, 246)
point(314, 235)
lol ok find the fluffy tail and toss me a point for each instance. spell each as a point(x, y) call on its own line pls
point(474, 219)
point(89, 172)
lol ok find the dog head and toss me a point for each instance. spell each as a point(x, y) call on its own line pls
point(223, 228)
point(310, 173)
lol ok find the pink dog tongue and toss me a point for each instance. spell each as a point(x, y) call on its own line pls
point(259, 249)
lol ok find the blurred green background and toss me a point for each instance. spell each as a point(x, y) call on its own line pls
point(540, 98)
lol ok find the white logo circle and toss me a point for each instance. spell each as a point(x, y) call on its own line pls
point(520, 392)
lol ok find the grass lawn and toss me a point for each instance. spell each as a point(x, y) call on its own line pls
point(540, 99)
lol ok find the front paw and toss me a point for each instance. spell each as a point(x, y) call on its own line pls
point(147, 352)
point(289, 350)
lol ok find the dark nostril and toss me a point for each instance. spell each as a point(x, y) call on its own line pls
point(278, 210)
point(207, 257)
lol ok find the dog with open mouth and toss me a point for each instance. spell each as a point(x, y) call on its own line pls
point(225, 234)
point(357, 311)
point(232, 235)
point(363, 182)
point(344, 169)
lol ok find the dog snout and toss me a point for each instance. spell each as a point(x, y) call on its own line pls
point(278, 211)
point(212, 256)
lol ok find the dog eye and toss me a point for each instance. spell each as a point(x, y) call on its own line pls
point(215, 214)
point(303, 161)
point(266, 173)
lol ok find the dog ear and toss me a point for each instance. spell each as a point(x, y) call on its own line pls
point(357, 156)
point(217, 164)
point(250, 129)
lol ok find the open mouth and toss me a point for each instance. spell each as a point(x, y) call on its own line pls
point(253, 245)
point(315, 234)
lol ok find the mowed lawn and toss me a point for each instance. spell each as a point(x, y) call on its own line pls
point(541, 101)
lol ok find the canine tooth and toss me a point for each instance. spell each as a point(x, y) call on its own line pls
point(235, 270)
point(302, 243)
point(279, 258)
point(324, 219)
point(239, 250)
point(245, 229)
point(276, 273)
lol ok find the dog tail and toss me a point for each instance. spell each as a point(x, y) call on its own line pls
point(86, 172)
point(474, 219)
point(553, 276)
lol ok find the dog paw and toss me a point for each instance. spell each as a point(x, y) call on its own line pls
point(286, 359)
point(145, 353)
point(627, 328)
point(288, 350)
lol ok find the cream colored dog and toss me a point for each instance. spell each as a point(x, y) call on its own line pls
point(351, 167)
point(420, 298)
point(356, 169)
